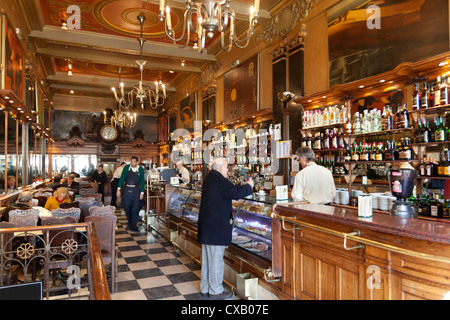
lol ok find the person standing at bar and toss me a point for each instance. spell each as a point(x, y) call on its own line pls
point(183, 173)
point(115, 182)
point(99, 178)
point(215, 226)
point(134, 185)
point(313, 183)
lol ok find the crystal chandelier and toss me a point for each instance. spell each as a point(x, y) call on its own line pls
point(119, 119)
point(211, 16)
point(144, 94)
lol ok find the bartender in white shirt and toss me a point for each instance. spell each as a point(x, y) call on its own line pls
point(314, 183)
point(183, 172)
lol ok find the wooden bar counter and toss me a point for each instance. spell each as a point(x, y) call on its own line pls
point(325, 252)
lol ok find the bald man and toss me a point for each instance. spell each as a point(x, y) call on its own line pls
point(214, 226)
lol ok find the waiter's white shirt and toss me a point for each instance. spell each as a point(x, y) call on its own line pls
point(118, 173)
point(314, 184)
point(185, 175)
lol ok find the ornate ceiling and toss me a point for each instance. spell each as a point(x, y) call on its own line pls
point(107, 40)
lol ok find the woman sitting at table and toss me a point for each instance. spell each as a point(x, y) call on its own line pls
point(61, 195)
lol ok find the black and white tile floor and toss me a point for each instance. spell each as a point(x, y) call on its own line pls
point(150, 268)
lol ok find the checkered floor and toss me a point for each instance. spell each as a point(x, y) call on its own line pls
point(150, 268)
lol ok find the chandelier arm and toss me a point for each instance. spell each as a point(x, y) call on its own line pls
point(246, 41)
point(174, 39)
point(224, 25)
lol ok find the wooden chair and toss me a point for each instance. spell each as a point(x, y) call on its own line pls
point(102, 211)
point(41, 200)
point(73, 212)
point(24, 218)
point(105, 227)
point(56, 240)
point(85, 206)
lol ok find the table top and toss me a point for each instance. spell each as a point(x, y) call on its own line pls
point(435, 231)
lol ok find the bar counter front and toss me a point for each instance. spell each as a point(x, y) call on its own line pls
point(318, 251)
point(326, 252)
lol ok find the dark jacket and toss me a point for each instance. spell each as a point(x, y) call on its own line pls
point(214, 226)
point(74, 186)
point(99, 177)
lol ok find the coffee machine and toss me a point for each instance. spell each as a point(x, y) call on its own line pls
point(401, 182)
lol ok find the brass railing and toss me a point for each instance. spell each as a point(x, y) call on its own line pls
point(69, 252)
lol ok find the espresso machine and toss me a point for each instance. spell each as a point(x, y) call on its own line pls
point(401, 182)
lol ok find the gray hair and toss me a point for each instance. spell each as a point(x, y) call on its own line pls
point(218, 163)
point(306, 152)
point(25, 196)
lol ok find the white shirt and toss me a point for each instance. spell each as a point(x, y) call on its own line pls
point(118, 173)
point(314, 184)
point(185, 175)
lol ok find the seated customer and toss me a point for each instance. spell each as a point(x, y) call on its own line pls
point(313, 183)
point(56, 182)
point(11, 184)
point(59, 196)
point(70, 183)
point(24, 200)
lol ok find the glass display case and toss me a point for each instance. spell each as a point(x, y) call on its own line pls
point(251, 219)
point(184, 204)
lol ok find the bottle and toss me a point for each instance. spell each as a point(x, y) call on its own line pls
point(341, 141)
point(373, 151)
point(430, 168)
point(357, 123)
point(418, 134)
point(348, 154)
point(444, 91)
point(334, 139)
point(437, 92)
point(424, 97)
point(310, 141)
point(426, 131)
point(396, 150)
point(356, 152)
point(431, 95)
point(326, 140)
point(387, 151)
point(326, 117)
point(446, 170)
point(446, 209)
point(348, 125)
point(440, 165)
point(379, 152)
point(416, 97)
point(365, 155)
point(433, 131)
point(436, 207)
point(365, 125)
point(405, 117)
point(440, 132)
point(422, 167)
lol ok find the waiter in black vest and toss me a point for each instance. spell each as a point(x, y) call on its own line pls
point(134, 185)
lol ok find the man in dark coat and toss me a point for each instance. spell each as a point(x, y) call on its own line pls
point(214, 226)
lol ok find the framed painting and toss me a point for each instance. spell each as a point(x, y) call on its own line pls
point(241, 90)
point(14, 76)
point(188, 108)
point(366, 38)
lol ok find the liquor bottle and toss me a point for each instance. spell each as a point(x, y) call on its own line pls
point(331, 115)
point(430, 168)
point(310, 141)
point(376, 121)
point(436, 207)
point(418, 134)
point(365, 125)
point(440, 132)
point(341, 141)
point(426, 131)
point(416, 97)
point(396, 146)
point(379, 152)
point(348, 125)
point(444, 89)
point(387, 151)
point(437, 92)
point(405, 117)
point(334, 139)
point(446, 209)
point(431, 95)
point(433, 131)
point(407, 150)
point(446, 169)
point(422, 167)
point(357, 123)
point(356, 152)
point(372, 151)
point(424, 97)
point(365, 155)
point(326, 140)
point(348, 154)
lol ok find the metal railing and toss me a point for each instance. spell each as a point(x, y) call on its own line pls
point(65, 258)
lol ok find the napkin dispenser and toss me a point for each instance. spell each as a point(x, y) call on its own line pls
point(365, 205)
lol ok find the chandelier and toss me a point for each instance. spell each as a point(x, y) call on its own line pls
point(119, 119)
point(211, 16)
point(144, 94)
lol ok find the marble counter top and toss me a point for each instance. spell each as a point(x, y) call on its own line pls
point(412, 228)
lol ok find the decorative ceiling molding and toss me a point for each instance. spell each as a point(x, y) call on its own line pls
point(286, 19)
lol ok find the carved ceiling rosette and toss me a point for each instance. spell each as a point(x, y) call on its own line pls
point(285, 20)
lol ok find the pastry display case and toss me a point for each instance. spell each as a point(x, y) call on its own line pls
point(184, 204)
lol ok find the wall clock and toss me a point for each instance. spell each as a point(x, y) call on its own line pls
point(109, 133)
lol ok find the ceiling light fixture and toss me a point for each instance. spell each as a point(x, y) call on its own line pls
point(211, 16)
point(144, 94)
